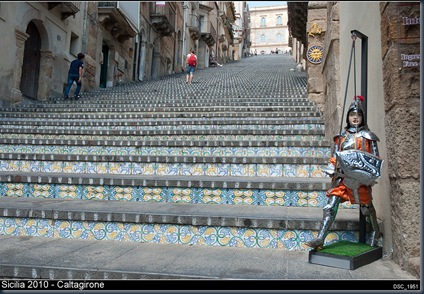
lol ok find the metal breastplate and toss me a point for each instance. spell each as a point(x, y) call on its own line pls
point(358, 167)
point(349, 141)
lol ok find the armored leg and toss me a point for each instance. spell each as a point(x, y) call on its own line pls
point(370, 213)
point(329, 214)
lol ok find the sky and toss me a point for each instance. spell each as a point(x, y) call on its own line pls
point(265, 3)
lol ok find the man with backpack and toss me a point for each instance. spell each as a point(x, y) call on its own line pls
point(191, 63)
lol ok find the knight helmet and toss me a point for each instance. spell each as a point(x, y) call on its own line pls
point(356, 106)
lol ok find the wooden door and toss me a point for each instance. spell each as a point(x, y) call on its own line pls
point(31, 63)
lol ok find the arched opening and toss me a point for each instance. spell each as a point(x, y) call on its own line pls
point(104, 67)
point(31, 63)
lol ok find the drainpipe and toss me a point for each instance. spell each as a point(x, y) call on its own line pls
point(136, 58)
point(84, 28)
point(143, 44)
point(184, 35)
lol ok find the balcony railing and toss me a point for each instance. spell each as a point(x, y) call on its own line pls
point(162, 18)
point(107, 4)
point(67, 9)
point(208, 32)
point(115, 22)
point(193, 25)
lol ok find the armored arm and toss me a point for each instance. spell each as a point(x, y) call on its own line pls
point(331, 167)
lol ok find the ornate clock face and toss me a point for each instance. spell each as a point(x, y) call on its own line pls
point(315, 54)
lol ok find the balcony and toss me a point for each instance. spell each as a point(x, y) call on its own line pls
point(193, 25)
point(208, 33)
point(162, 18)
point(114, 22)
point(66, 9)
point(228, 29)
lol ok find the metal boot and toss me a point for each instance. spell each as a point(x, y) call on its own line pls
point(329, 214)
point(370, 213)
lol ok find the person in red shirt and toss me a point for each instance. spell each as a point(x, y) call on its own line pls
point(191, 63)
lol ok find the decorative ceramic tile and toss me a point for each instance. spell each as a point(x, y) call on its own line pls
point(274, 198)
point(182, 195)
point(317, 199)
point(121, 168)
point(196, 170)
point(102, 167)
point(123, 193)
point(289, 170)
point(96, 193)
point(244, 197)
point(302, 199)
point(153, 195)
point(43, 191)
point(242, 170)
point(263, 170)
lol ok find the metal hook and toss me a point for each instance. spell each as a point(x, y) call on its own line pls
point(354, 36)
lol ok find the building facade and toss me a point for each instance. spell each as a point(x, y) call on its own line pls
point(268, 29)
point(122, 41)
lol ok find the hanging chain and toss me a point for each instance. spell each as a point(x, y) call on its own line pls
point(352, 56)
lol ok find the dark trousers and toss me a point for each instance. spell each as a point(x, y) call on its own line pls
point(73, 78)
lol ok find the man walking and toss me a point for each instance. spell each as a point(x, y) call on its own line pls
point(191, 63)
point(75, 75)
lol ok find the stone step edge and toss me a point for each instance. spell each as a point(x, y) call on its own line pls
point(165, 123)
point(213, 182)
point(163, 132)
point(83, 108)
point(182, 99)
point(180, 103)
point(257, 107)
point(164, 158)
point(139, 115)
point(164, 143)
point(31, 272)
point(245, 216)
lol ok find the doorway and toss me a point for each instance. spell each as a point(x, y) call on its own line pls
point(31, 63)
point(104, 67)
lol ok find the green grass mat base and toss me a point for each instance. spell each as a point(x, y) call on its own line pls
point(346, 248)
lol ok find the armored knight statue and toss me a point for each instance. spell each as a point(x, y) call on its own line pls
point(354, 167)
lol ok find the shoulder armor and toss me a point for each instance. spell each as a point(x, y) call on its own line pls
point(367, 134)
point(342, 135)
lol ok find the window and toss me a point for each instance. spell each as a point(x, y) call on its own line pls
point(279, 20)
point(279, 38)
point(75, 44)
point(263, 22)
point(263, 38)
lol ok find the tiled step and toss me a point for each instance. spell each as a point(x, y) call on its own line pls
point(151, 133)
point(130, 109)
point(308, 146)
point(171, 223)
point(210, 181)
point(82, 147)
point(218, 123)
point(164, 165)
point(135, 117)
point(289, 119)
point(170, 189)
point(141, 135)
point(200, 98)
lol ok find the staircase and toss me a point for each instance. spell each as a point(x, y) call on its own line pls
point(232, 160)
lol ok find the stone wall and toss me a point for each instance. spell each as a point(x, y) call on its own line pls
point(331, 72)
point(402, 106)
point(316, 28)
